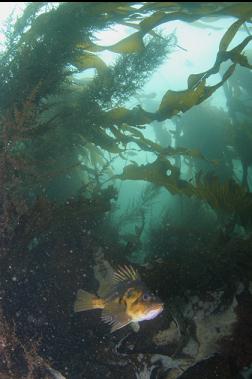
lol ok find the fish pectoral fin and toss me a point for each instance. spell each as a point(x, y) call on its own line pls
point(135, 326)
point(86, 301)
point(118, 325)
point(116, 316)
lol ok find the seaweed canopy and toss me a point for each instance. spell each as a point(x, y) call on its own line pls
point(48, 120)
point(50, 125)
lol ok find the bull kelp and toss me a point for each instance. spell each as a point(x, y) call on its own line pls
point(105, 164)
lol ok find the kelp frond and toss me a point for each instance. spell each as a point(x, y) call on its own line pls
point(161, 173)
point(227, 196)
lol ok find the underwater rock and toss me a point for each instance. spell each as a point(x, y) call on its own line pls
point(45, 372)
point(166, 336)
point(246, 373)
point(250, 288)
point(205, 325)
point(212, 329)
point(191, 348)
point(54, 374)
point(19, 360)
point(211, 320)
point(241, 350)
point(205, 322)
point(211, 368)
point(220, 338)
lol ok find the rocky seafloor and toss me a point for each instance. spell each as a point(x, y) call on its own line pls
point(200, 334)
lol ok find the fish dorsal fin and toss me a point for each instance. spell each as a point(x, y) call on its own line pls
point(103, 272)
point(125, 273)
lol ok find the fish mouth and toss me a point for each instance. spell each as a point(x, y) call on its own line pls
point(155, 310)
point(160, 307)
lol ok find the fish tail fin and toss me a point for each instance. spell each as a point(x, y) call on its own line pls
point(86, 301)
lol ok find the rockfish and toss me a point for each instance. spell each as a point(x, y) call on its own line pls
point(125, 299)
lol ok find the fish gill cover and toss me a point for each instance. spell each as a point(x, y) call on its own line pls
point(96, 172)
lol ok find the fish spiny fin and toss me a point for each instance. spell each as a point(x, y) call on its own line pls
point(125, 273)
point(103, 272)
point(86, 301)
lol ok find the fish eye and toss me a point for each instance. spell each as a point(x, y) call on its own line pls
point(146, 297)
point(130, 292)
